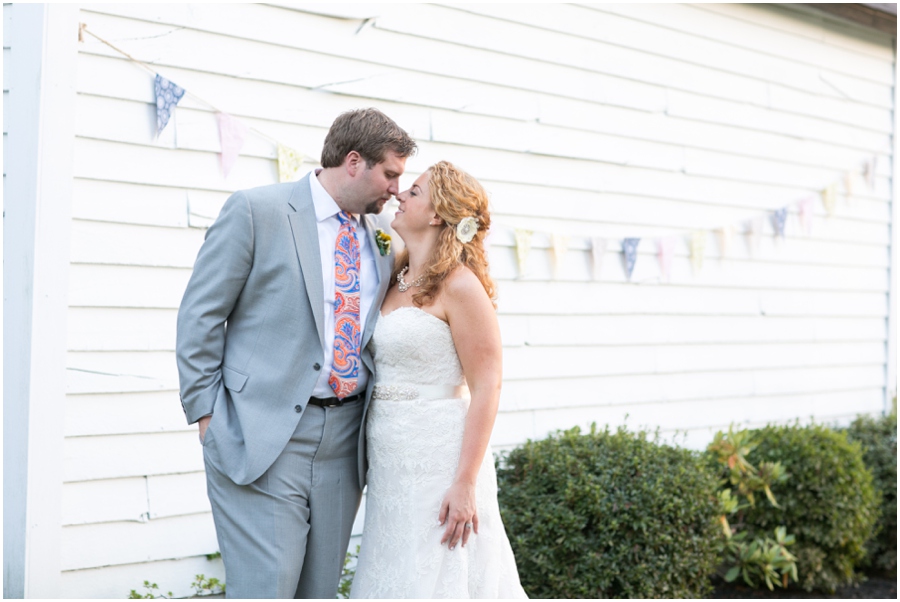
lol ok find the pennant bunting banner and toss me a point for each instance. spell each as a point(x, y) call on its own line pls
point(829, 198)
point(233, 133)
point(726, 240)
point(598, 249)
point(167, 96)
point(231, 138)
point(665, 250)
point(629, 253)
point(779, 219)
point(523, 248)
point(698, 248)
point(753, 229)
point(560, 245)
point(806, 214)
point(289, 162)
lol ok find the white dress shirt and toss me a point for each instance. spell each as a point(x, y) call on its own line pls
point(328, 224)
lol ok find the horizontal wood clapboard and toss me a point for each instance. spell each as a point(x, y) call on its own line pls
point(606, 121)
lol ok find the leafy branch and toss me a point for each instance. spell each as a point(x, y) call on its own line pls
point(762, 558)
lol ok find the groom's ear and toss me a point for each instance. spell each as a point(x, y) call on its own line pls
point(352, 163)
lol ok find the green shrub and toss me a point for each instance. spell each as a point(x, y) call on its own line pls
point(610, 515)
point(828, 501)
point(347, 574)
point(878, 439)
point(761, 559)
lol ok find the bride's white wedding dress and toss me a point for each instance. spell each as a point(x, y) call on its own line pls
point(414, 436)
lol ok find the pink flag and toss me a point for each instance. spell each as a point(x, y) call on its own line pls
point(753, 229)
point(806, 214)
point(231, 137)
point(665, 249)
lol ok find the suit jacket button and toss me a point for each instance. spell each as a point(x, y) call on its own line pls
point(298, 409)
point(316, 366)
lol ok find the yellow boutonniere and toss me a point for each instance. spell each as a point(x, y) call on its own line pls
point(383, 240)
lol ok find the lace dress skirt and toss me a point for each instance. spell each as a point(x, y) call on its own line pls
point(413, 449)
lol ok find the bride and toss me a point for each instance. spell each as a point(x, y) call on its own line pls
point(433, 527)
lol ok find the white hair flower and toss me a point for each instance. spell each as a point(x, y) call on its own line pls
point(466, 229)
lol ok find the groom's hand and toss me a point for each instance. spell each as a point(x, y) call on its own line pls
point(204, 424)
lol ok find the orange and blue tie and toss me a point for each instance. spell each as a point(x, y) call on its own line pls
point(347, 336)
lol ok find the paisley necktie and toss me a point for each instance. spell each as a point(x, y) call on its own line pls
point(347, 337)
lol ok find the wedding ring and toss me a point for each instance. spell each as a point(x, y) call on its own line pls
point(468, 525)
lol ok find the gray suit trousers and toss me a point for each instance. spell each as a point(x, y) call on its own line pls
point(271, 546)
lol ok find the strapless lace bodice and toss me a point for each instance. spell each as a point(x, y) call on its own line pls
point(412, 346)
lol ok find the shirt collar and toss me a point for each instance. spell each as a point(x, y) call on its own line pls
point(324, 204)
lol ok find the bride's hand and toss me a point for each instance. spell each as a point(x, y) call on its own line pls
point(458, 509)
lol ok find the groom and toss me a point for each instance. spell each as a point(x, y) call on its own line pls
point(272, 359)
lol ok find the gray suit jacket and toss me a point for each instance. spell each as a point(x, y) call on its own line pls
point(250, 326)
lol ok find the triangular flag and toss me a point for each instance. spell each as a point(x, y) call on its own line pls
point(289, 162)
point(726, 240)
point(629, 253)
point(806, 214)
point(167, 96)
point(560, 245)
point(753, 229)
point(779, 219)
point(598, 248)
point(523, 247)
point(665, 250)
point(869, 171)
point(698, 248)
point(848, 186)
point(232, 133)
point(829, 198)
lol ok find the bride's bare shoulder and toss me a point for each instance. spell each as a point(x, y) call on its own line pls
point(463, 286)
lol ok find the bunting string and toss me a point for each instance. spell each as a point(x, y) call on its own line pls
point(233, 132)
point(168, 95)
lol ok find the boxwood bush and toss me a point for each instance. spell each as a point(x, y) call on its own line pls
point(610, 515)
point(878, 439)
point(828, 502)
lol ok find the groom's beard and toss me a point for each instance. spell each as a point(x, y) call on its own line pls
point(375, 206)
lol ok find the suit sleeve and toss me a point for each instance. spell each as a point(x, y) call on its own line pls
point(220, 272)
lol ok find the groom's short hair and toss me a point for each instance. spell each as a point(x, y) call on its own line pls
point(369, 132)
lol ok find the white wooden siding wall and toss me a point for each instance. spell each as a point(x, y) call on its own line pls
point(612, 120)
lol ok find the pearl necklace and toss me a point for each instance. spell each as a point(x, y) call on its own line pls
point(402, 285)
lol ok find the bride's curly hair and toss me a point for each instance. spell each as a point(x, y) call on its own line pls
point(455, 196)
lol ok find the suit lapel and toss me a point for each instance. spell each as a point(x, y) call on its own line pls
point(306, 243)
point(383, 263)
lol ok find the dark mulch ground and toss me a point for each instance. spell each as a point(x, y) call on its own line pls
point(873, 587)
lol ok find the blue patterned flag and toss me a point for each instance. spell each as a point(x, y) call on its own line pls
point(167, 96)
point(779, 218)
point(629, 249)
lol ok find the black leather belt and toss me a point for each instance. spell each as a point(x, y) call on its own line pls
point(334, 402)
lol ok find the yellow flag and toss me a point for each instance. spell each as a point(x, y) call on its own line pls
point(829, 198)
point(289, 162)
point(560, 245)
point(698, 248)
point(726, 237)
point(523, 247)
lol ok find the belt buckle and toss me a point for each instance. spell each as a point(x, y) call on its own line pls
point(337, 403)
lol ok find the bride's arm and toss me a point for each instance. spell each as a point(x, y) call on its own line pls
point(476, 335)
